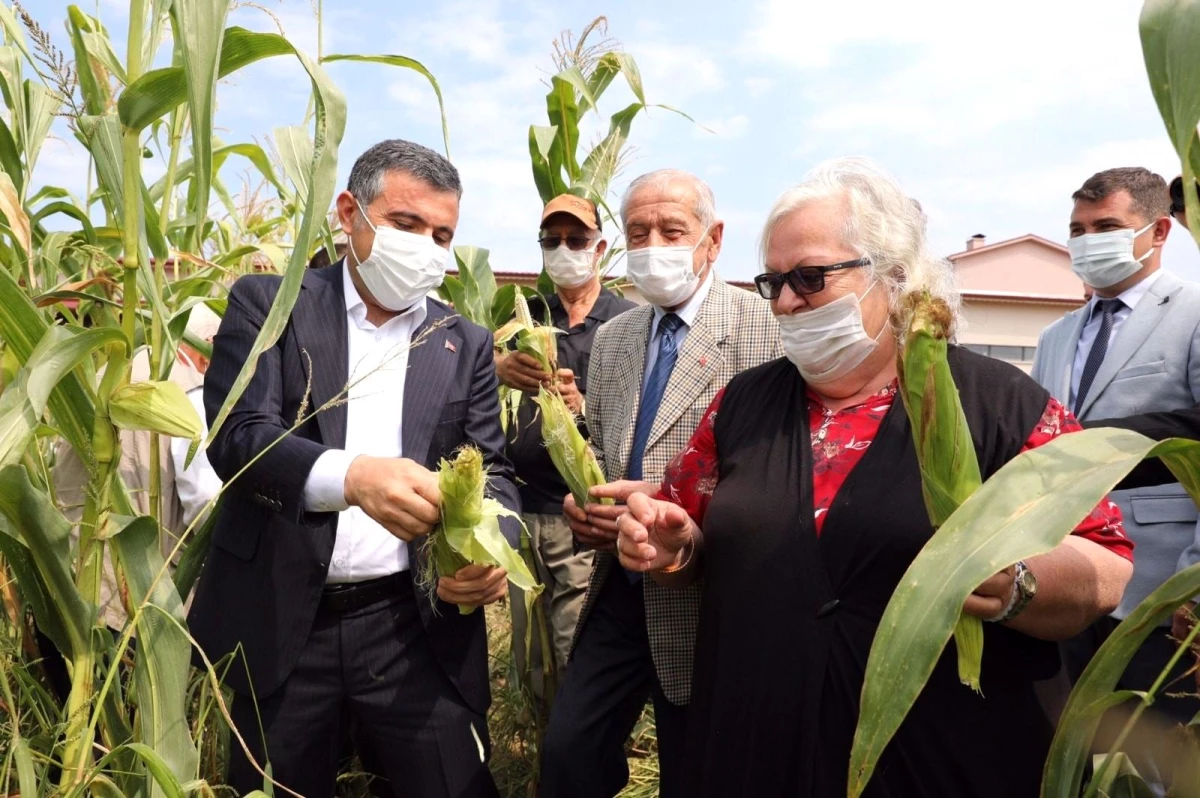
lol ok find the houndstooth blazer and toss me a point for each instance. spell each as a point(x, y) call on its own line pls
point(733, 331)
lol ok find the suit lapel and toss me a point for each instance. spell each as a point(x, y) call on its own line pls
point(629, 389)
point(698, 360)
point(319, 321)
point(1064, 363)
point(1142, 322)
point(432, 362)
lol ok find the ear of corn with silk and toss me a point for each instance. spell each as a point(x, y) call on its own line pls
point(469, 530)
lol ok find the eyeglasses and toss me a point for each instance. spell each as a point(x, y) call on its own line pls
point(802, 279)
point(574, 243)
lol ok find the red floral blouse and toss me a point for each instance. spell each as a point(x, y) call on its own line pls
point(839, 440)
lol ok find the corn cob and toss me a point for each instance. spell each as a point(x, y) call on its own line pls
point(945, 451)
point(537, 341)
point(571, 454)
point(469, 529)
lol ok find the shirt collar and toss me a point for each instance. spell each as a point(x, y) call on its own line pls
point(356, 308)
point(1131, 296)
point(690, 310)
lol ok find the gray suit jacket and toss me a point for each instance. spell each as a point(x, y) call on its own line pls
point(734, 331)
point(1153, 365)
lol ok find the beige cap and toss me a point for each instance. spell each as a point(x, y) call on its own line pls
point(581, 209)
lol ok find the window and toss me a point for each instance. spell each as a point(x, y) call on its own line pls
point(1006, 352)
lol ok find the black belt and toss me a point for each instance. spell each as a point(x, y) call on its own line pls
point(356, 595)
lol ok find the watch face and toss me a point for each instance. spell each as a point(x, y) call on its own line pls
point(1028, 582)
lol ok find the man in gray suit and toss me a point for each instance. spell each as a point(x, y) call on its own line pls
point(1134, 348)
point(654, 371)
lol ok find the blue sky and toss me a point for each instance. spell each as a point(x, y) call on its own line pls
point(990, 114)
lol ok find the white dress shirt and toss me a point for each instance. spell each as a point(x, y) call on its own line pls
point(197, 484)
point(687, 314)
point(1129, 299)
point(378, 360)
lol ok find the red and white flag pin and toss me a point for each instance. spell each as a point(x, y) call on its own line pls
point(450, 345)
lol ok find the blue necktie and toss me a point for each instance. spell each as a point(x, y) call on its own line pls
point(1095, 358)
point(652, 396)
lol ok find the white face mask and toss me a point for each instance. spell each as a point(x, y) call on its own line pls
point(402, 268)
point(827, 343)
point(569, 269)
point(1104, 259)
point(664, 276)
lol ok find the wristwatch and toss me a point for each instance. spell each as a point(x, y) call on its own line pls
point(1024, 589)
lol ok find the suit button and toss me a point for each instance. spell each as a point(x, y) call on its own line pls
point(828, 608)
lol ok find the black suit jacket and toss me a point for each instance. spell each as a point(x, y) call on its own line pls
point(269, 557)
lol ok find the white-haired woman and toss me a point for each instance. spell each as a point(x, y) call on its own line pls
point(799, 501)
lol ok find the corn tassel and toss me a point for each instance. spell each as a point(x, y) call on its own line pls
point(945, 451)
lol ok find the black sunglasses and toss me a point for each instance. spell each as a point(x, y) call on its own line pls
point(802, 279)
point(574, 243)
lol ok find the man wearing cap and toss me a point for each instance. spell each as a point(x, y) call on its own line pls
point(572, 248)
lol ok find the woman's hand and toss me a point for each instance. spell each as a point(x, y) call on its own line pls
point(990, 598)
point(595, 525)
point(652, 534)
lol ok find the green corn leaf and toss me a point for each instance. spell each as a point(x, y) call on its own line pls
point(15, 32)
point(41, 106)
point(406, 63)
point(39, 525)
point(22, 404)
point(198, 26)
point(160, 675)
point(296, 152)
point(330, 123)
point(1093, 693)
point(545, 176)
point(26, 775)
point(1027, 508)
point(1169, 30)
point(93, 85)
point(22, 327)
point(563, 113)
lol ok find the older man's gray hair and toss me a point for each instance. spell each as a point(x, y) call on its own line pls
point(705, 207)
point(882, 223)
point(397, 155)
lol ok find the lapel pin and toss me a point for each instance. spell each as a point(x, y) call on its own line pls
point(703, 361)
point(450, 345)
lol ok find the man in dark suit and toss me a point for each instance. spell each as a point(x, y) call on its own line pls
point(311, 573)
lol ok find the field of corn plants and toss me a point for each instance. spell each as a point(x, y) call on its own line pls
point(90, 283)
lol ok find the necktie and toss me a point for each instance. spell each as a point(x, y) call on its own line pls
point(653, 394)
point(1106, 307)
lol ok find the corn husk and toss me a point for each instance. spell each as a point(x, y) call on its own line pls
point(160, 407)
point(537, 341)
point(469, 530)
point(570, 453)
point(945, 451)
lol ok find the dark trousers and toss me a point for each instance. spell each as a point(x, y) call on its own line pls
point(610, 677)
point(373, 667)
point(1149, 741)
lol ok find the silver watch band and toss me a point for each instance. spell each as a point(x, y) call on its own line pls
point(1010, 608)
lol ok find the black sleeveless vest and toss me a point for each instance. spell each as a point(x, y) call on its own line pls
point(788, 616)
